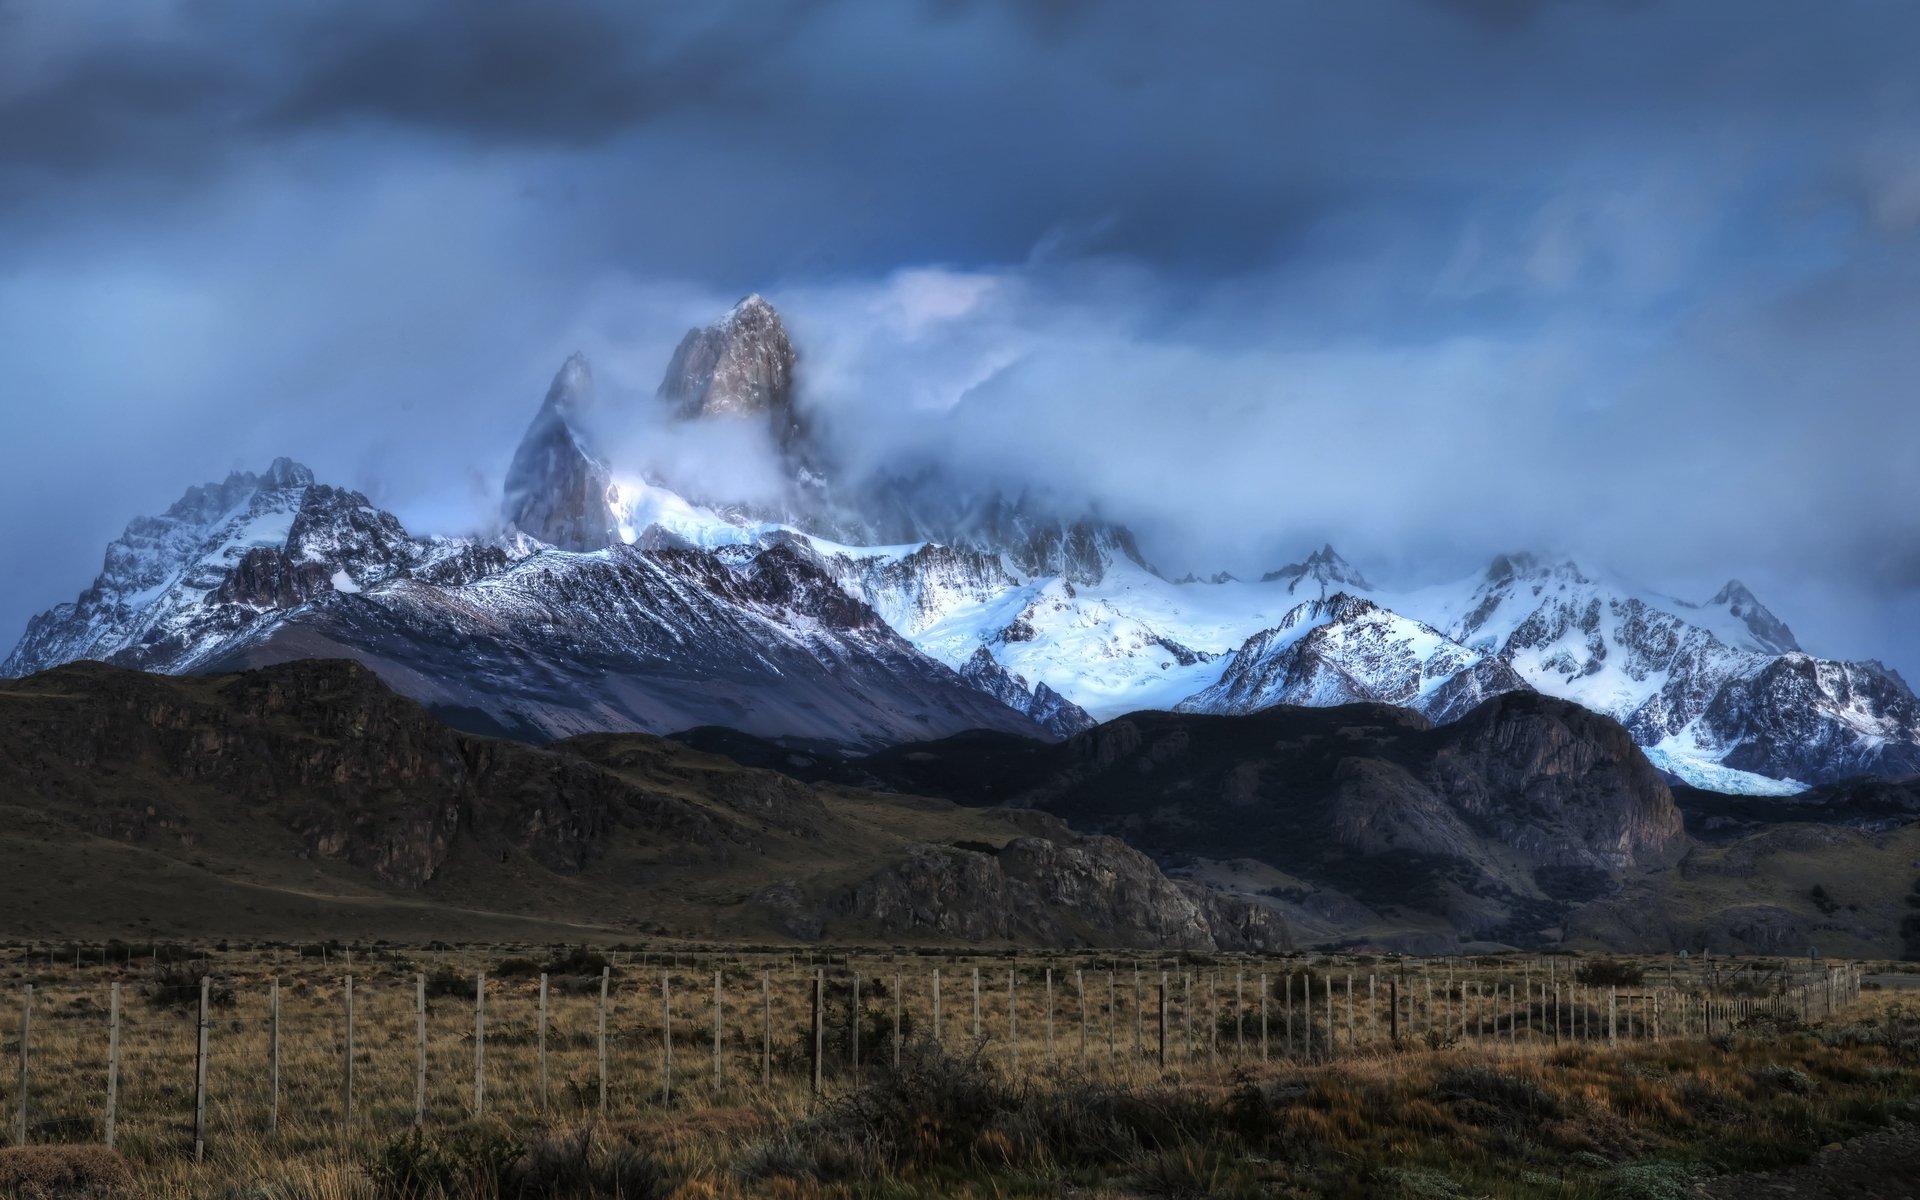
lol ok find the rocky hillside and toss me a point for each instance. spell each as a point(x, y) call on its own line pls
point(312, 796)
point(1358, 819)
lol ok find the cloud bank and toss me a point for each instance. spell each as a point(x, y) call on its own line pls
point(1428, 278)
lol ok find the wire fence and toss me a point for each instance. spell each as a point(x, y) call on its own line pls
point(178, 1059)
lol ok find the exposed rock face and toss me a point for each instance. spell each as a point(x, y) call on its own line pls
point(1564, 786)
point(1060, 890)
point(557, 490)
point(740, 367)
point(1048, 708)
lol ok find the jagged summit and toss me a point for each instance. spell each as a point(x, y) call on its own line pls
point(286, 473)
point(557, 489)
point(1323, 567)
point(741, 366)
point(1769, 632)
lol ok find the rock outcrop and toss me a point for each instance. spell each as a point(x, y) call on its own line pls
point(1058, 889)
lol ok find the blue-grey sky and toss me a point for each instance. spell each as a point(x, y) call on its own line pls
point(1637, 279)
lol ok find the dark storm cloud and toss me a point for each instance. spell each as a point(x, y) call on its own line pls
point(1433, 278)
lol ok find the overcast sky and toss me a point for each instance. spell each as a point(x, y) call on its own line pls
point(1431, 279)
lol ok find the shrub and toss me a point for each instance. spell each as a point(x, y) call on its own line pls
point(1610, 972)
point(444, 983)
point(578, 1166)
point(1777, 1078)
point(1489, 1097)
point(1649, 1181)
point(63, 1171)
point(177, 985)
point(577, 961)
point(473, 1161)
point(516, 968)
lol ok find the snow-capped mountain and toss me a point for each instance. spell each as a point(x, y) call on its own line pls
point(1344, 650)
point(1723, 682)
point(872, 611)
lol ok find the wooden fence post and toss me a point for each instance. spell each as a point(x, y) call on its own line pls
point(1351, 1043)
point(1263, 1016)
point(1613, 1015)
point(666, 1037)
point(199, 1076)
point(719, 1019)
point(1239, 1014)
point(819, 1021)
point(1393, 1009)
point(853, 1025)
point(113, 1060)
point(346, 1063)
point(1329, 1040)
point(540, 1041)
point(26, 1040)
point(1139, 1018)
point(1050, 1055)
point(1113, 1017)
point(600, 1037)
point(1080, 995)
point(766, 1028)
point(896, 1022)
point(1013, 1028)
point(419, 1046)
point(976, 1007)
point(1213, 1018)
point(479, 1045)
point(939, 1037)
point(273, 1055)
point(1186, 1011)
point(1163, 1020)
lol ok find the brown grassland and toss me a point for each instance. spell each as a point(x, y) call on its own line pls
point(1476, 1098)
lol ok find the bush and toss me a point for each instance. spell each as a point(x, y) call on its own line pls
point(177, 986)
point(470, 1162)
point(1777, 1078)
point(1610, 972)
point(446, 983)
point(64, 1171)
point(577, 1166)
point(1485, 1096)
point(577, 961)
point(516, 968)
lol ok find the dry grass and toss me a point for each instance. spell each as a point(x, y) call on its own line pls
point(995, 1116)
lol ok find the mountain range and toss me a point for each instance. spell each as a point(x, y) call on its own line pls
point(850, 615)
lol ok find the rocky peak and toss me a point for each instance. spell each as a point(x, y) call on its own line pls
point(741, 366)
point(557, 490)
point(1324, 568)
point(1770, 633)
point(286, 473)
point(1506, 568)
point(1048, 708)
